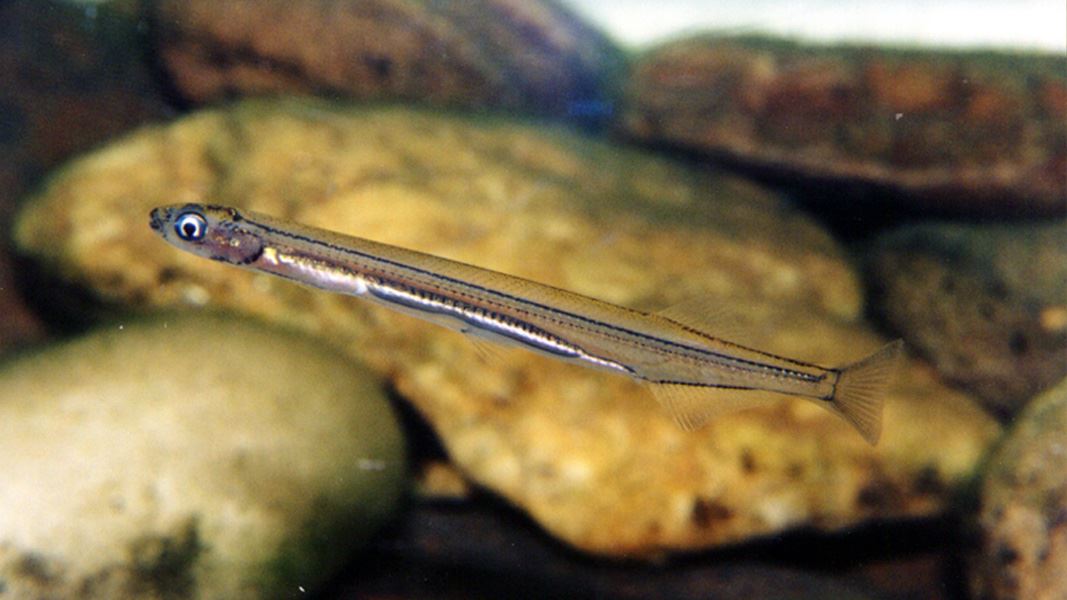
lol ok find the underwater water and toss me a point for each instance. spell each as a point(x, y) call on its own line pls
point(666, 255)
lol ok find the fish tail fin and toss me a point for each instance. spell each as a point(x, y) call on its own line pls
point(859, 392)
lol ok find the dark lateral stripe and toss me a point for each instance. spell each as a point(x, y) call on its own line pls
point(528, 334)
point(551, 309)
point(716, 386)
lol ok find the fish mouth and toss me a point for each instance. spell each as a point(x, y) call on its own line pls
point(157, 218)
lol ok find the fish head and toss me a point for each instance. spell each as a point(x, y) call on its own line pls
point(215, 232)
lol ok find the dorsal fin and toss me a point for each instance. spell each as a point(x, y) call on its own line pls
point(708, 315)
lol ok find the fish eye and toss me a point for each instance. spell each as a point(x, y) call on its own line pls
point(190, 227)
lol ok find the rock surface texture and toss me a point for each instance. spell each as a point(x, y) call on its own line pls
point(189, 457)
point(503, 54)
point(986, 304)
point(589, 455)
point(1024, 507)
point(980, 134)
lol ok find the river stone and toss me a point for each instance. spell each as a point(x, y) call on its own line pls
point(589, 455)
point(986, 304)
point(1024, 507)
point(189, 457)
point(529, 55)
point(973, 133)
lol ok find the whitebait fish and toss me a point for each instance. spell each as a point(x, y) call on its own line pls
point(694, 374)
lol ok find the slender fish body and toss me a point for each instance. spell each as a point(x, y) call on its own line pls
point(693, 373)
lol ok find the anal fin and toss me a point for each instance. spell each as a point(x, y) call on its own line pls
point(691, 406)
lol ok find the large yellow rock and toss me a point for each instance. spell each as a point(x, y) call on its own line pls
point(588, 455)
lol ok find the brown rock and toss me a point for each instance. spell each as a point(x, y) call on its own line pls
point(956, 133)
point(71, 79)
point(480, 53)
point(587, 454)
point(1024, 507)
point(986, 304)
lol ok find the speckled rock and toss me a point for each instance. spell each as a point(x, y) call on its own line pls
point(189, 457)
point(589, 455)
point(987, 304)
point(1024, 507)
point(941, 132)
point(513, 54)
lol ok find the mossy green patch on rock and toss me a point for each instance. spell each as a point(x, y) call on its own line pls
point(986, 304)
